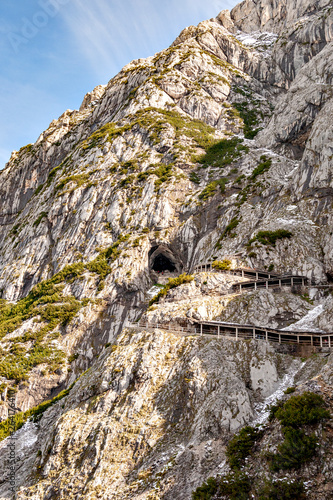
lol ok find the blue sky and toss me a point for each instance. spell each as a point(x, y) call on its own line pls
point(55, 51)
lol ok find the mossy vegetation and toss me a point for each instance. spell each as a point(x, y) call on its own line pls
point(298, 417)
point(241, 445)
point(269, 238)
point(155, 121)
point(222, 153)
point(39, 219)
point(211, 188)
point(222, 265)
point(283, 490)
point(229, 231)
point(14, 423)
point(51, 310)
point(172, 283)
point(263, 166)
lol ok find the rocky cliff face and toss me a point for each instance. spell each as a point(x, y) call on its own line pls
point(182, 157)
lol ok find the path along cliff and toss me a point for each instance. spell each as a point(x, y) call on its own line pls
point(219, 145)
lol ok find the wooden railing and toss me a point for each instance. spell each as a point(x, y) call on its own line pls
point(235, 331)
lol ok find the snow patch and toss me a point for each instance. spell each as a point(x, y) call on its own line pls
point(262, 408)
point(306, 323)
point(262, 41)
point(25, 437)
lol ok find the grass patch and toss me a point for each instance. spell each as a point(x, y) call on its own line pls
point(210, 189)
point(263, 166)
point(172, 283)
point(39, 219)
point(269, 238)
point(222, 265)
point(222, 153)
point(12, 424)
point(249, 117)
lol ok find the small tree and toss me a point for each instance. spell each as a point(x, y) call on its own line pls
point(222, 265)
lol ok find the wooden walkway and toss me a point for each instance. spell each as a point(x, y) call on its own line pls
point(219, 329)
point(278, 282)
point(257, 279)
point(243, 272)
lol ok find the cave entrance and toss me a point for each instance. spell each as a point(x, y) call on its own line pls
point(162, 263)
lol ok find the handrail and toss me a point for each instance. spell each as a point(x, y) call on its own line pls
point(252, 332)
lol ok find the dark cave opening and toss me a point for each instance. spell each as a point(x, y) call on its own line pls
point(162, 263)
point(329, 276)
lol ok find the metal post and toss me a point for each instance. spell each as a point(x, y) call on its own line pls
point(311, 340)
point(201, 329)
point(254, 333)
point(257, 276)
point(279, 338)
point(255, 285)
point(242, 273)
point(280, 284)
point(297, 339)
point(321, 341)
point(292, 281)
point(266, 335)
point(267, 284)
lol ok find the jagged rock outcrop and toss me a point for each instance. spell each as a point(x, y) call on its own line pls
point(218, 147)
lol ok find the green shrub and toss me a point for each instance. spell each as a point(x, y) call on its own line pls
point(194, 178)
point(249, 117)
point(39, 219)
point(235, 486)
point(307, 409)
point(99, 266)
point(263, 166)
point(211, 188)
point(128, 180)
point(240, 446)
point(224, 265)
point(290, 390)
point(164, 173)
point(12, 424)
point(229, 229)
point(172, 283)
point(283, 490)
point(296, 449)
point(222, 153)
point(270, 237)
point(207, 490)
